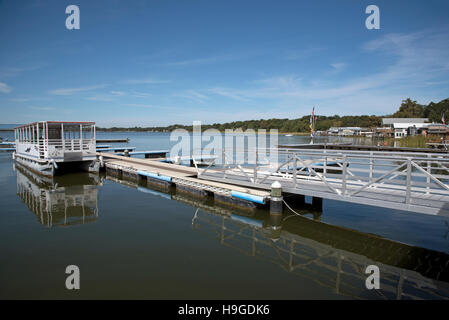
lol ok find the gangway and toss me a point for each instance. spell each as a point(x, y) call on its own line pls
point(417, 182)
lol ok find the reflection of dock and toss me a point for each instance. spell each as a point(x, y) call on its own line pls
point(56, 203)
point(341, 270)
point(332, 256)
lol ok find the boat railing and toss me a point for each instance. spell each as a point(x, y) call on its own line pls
point(67, 144)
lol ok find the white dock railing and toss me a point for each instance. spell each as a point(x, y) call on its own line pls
point(408, 181)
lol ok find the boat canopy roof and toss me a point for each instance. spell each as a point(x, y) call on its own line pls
point(57, 122)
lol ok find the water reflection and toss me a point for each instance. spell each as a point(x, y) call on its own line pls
point(341, 270)
point(331, 256)
point(59, 201)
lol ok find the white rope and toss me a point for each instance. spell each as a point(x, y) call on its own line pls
point(291, 208)
point(296, 213)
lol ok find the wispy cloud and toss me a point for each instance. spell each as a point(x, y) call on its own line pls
point(4, 88)
point(192, 95)
point(42, 108)
point(197, 61)
point(118, 93)
point(100, 98)
point(13, 72)
point(20, 99)
point(71, 91)
point(339, 66)
point(148, 106)
point(413, 61)
point(145, 81)
point(214, 59)
point(303, 53)
point(138, 94)
point(111, 96)
point(230, 93)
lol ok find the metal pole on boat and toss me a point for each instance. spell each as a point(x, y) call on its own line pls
point(62, 136)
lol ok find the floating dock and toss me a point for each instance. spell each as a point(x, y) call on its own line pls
point(113, 140)
point(182, 177)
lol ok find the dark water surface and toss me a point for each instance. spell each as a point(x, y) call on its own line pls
point(132, 241)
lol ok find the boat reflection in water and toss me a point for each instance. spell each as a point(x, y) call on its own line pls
point(332, 256)
point(59, 201)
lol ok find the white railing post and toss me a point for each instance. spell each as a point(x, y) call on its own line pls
point(81, 137)
point(409, 181)
point(295, 166)
point(345, 165)
point(223, 160)
point(62, 136)
point(255, 168)
point(371, 166)
point(46, 137)
point(429, 170)
point(325, 163)
point(38, 141)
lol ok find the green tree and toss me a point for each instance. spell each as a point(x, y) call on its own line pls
point(409, 109)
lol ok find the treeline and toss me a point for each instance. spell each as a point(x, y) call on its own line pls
point(283, 125)
point(408, 109)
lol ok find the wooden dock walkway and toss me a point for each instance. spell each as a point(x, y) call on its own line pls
point(113, 140)
point(181, 177)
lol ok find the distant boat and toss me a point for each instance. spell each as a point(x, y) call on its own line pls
point(289, 135)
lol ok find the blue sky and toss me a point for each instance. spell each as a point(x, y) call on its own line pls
point(150, 63)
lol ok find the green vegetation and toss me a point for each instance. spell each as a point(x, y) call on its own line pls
point(408, 142)
point(408, 109)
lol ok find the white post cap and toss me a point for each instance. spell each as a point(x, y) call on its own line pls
point(276, 185)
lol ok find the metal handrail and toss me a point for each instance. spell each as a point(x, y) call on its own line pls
point(358, 174)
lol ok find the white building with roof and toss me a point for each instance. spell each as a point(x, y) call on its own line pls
point(402, 129)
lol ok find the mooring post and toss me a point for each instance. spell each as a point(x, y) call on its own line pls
point(276, 199)
point(126, 153)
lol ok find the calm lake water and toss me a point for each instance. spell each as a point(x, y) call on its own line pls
point(131, 241)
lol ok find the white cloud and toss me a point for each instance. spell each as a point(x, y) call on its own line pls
point(214, 59)
point(303, 53)
point(229, 93)
point(192, 95)
point(100, 98)
point(71, 91)
point(414, 61)
point(146, 81)
point(42, 108)
point(12, 72)
point(150, 106)
point(338, 66)
point(138, 94)
point(20, 99)
point(118, 93)
point(4, 88)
